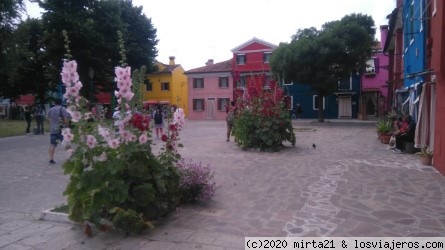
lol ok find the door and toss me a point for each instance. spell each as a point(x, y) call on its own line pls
point(211, 109)
point(344, 107)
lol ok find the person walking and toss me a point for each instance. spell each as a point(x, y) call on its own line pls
point(28, 119)
point(159, 123)
point(298, 111)
point(58, 117)
point(230, 118)
point(40, 118)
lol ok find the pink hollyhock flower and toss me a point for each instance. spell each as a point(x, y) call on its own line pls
point(104, 132)
point(75, 115)
point(114, 143)
point(102, 157)
point(143, 138)
point(91, 141)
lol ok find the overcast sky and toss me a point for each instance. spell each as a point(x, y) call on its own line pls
point(197, 30)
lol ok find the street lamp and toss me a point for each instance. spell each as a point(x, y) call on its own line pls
point(91, 74)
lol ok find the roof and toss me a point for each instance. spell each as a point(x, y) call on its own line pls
point(167, 68)
point(225, 66)
point(251, 41)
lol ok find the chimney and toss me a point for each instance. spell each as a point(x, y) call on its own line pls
point(172, 60)
point(209, 62)
point(383, 34)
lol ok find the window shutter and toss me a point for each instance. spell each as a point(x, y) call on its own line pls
point(376, 65)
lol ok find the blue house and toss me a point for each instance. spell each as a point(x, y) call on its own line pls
point(342, 104)
point(414, 63)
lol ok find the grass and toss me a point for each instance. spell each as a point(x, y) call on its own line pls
point(61, 209)
point(15, 127)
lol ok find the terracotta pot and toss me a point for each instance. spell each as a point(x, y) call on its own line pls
point(385, 138)
point(426, 160)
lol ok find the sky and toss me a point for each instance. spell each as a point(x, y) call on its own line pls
point(194, 31)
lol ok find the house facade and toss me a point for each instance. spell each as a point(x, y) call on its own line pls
point(167, 85)
point(250, 65)
point(415, 45)
point(374, 88)
point(436, 42)
point(210, 89)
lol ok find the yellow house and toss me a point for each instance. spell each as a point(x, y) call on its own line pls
point(167, 85)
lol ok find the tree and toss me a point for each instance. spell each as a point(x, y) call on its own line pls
point(24, 62)
point(321, 57)
point(92, 27)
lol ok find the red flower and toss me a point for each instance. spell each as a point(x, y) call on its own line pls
point(164, 138)
point(173, 127)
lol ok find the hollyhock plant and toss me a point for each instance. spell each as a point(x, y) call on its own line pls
point(262, 119)
point(114, 176)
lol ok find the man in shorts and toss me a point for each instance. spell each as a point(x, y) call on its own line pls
point(57, 116)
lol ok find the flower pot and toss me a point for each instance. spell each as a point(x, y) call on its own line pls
point(426, 160)
point(385, 138)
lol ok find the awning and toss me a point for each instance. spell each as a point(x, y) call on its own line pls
point(370, 90)
point(421, 73)
point(150, 102)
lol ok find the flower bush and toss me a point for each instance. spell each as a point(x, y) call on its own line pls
point(196, 182)
point(262, 120)
point(115, 177)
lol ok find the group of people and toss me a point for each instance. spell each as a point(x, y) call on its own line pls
point(158, 115)
point(405, 130)
point(39, 113)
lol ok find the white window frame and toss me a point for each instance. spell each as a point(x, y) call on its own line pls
point(243, 56)
point(313, 102)
point(222, 107)
point(194, 106)
point(266, 57)
point(195, 85)
point(163, 84)
point(219, 82)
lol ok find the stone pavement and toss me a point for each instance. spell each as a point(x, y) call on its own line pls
point(350, 185)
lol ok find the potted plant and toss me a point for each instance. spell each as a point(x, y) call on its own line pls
point(426, 156)
point(384, 127)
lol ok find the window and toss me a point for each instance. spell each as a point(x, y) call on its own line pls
point(267, 81)
point(241, 82)
point(345, 83)
point(198, 104)
point(198, 83)
point(285, 81)
point(370, 67)
point(240, 59)
point(266, 57)
point(148, 85)
point(222, 102)
point(224, 82)
point(165, 86)
point(315, 102)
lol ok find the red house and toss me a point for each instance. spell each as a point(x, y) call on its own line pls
point(437, 44)
point(250, 65)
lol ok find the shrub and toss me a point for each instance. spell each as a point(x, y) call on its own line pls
point(262, 119)
point(196, 181)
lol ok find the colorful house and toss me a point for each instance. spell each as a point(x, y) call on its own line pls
point(167, 85)
point(417, 57)
point(210, 88)
point(374, 89)
point(250, 65)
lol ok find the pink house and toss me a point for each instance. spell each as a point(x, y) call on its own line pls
point(374, 97)
point(210, 88)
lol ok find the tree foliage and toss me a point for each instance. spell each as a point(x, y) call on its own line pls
point(92, 27)
point(24, 62)
point(322, 57)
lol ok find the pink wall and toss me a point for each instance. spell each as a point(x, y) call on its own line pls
point(381, 76)
point(211, 90)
